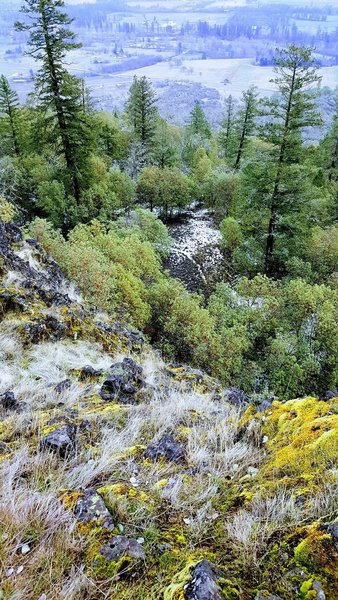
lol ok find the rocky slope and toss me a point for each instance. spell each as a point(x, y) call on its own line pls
point(123, 477)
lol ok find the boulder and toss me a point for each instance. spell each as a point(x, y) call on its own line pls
point(264, 405)
point(4, 449)
point(120, 546)
point(124, 381)
point(203, 585)
point(237, 398)
point(8, 401)
point(62, 386)
point(332, 529)
point(90, 508)
point(329, 395)
point(168, 448)
point(61, 441)
point(88, 372)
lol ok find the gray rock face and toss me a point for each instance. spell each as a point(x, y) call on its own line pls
point(123, 383)
point(8, 401)
point(120, 546)
point(204, 584)
point(61, 441)
point(167, 448)
point(91, 508)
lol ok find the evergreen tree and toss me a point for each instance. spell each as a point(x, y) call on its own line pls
point(294, 109)
point(9, 118)
point(333, 148)
point(227, 127)
point(59, 95)
point(142, 114)
point(198, 124)
point(246, 121)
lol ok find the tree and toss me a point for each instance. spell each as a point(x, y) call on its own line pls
point(293, 110)
point(331, 142)
point(226, 134)
point(166, 145)
point(246, 121)
point(198, 123)
point(142, 114)
point(167, 189)
point(9, 118)
point(59, 95)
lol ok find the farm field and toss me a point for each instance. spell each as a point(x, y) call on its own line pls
point(227, 76)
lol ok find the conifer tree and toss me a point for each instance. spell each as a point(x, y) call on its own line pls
point(198, 124)
point(142, 114)
point(227, 128)
point(246, 121)
point(9, 118)
point(59, 95)
point(294, 109)
point(332, 143)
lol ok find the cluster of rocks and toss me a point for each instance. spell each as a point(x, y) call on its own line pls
point(124, 382)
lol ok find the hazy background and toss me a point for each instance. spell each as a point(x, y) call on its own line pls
point(190, 50)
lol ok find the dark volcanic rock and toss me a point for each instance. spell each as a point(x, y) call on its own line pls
point(120, 546)
point(167, 448)
point(124, 382)
point(44, 328)
point(329, 395)
point(88, 372)
point(4, 449)
point(264, 405)
point(62, 386)
point(203, 585)
point(91, 508)
point(13, 233)
point(237, 398)
point(61, 441)
point(332, 529)
point(8, 401)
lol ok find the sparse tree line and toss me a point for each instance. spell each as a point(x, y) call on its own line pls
point(275, 199)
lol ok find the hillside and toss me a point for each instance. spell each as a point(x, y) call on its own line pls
point(125, 477)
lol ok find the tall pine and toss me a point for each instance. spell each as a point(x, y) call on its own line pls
point(9, 119)
point(226, 134)
point(246, 121)
point(59, 95)
point(293, 109)
point(142, 114)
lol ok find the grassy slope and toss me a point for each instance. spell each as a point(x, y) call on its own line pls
point(251, 496)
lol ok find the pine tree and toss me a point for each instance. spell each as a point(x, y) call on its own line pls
point(227, 128)
point(59, 95)
point(333, 148)
point(142, 114)
point(288, 114)
point(9, 118)
point(198, 124)
point(246, 121)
